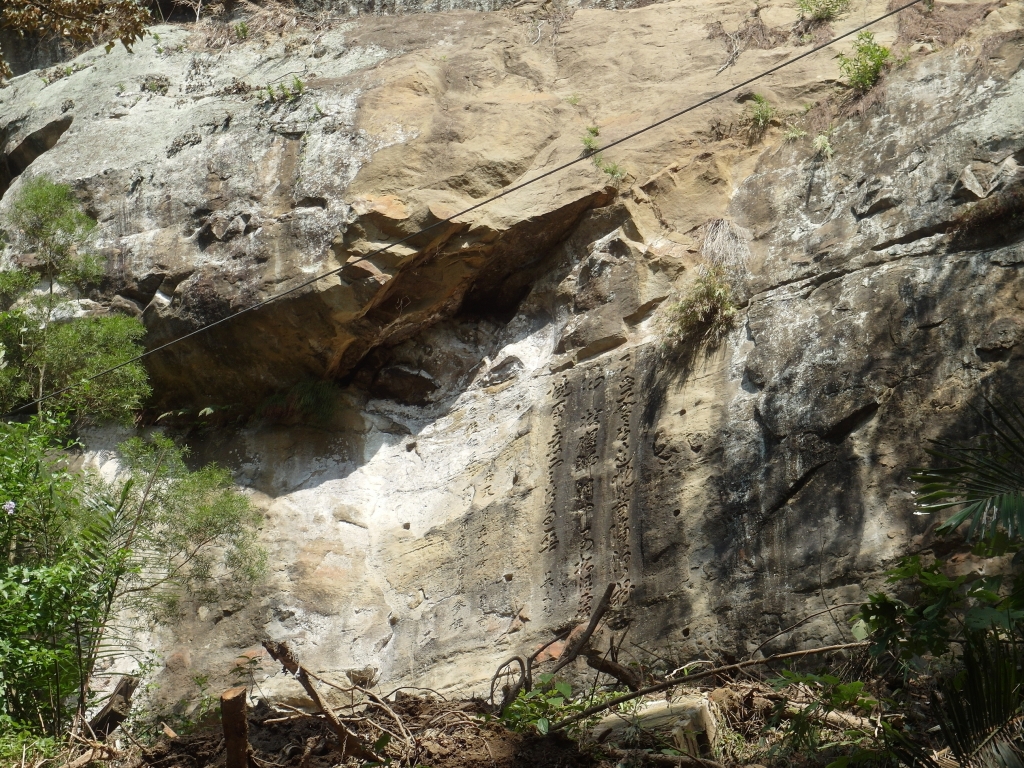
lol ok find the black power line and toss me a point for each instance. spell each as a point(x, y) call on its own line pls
point(475, 206)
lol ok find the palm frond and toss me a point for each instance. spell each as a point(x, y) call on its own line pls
point(981, 718)
point(985, 481)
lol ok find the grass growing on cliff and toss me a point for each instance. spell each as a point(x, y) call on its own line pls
point(760, 115)
point(707, 312)
point(823, 10)
point(865, 66)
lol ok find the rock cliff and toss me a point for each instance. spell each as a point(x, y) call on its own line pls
point(511, 422)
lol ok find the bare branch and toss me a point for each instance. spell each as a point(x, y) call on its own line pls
point(699, 675)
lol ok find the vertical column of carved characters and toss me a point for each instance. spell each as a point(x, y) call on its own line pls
point(560, 393)
point(624, 479)
point(549, 541)
point(584, 571)
point(462, 549)
point(547, 588)
point(583, 503)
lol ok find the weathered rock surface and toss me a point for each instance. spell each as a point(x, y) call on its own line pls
point(512, 429)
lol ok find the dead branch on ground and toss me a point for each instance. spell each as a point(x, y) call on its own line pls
point(349, 743)
point(673, 682)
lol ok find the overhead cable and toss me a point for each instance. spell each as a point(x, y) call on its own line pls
point(475, 206)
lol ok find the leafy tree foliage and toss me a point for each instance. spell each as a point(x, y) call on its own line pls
point(972, 622)
point(46, 344)
point(78, 20)
point(84, 556)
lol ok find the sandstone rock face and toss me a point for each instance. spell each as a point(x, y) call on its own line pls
point(512, 426)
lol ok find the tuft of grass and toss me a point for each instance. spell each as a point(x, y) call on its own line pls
point(823, 10)
point(759, 117)
point(156, 84)
point(706, 314)
point(573, 100)
point(612, 169)
point(823, 145)
point(793, 133)
point(865, 66)
point(298, 87)
point(590, 144)
point(241, 30)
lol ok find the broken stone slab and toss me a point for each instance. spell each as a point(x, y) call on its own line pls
point(689, 721)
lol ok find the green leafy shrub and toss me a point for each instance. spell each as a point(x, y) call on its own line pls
point(46, 345)
point(241, 30)
point(708, 311)
point(828, 693)
point(865, 66)
point(79, 551)
point(970, 624)
point(551, 700)
point(541, 706)
point(823, 10)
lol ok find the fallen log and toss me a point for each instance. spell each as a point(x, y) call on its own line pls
point(116, 709)
point(835, 718)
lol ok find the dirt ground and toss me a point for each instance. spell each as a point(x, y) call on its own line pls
point(447, 736)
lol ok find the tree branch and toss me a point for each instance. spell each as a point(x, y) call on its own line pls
point(350, 744)
point(672, 683)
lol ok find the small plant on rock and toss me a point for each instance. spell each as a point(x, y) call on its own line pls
point(708, 310)
point(241, 30)
point(612, 169)
point(867, 63)
point(823, 10)
point(793, 133)
point(159, 84)
point(823, 145)
point(759, 117)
